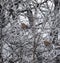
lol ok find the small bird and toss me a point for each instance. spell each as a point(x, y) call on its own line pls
point(24, 26)
point(47, 43)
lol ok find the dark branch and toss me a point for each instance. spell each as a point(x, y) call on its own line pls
point(33, 7)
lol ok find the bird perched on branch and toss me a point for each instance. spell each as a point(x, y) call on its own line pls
point(24, 26)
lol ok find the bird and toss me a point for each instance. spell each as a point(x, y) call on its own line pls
point(47, 43)
point(24, 26)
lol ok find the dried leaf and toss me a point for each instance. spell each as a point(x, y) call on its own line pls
point(24, 26)
point(46, 43)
